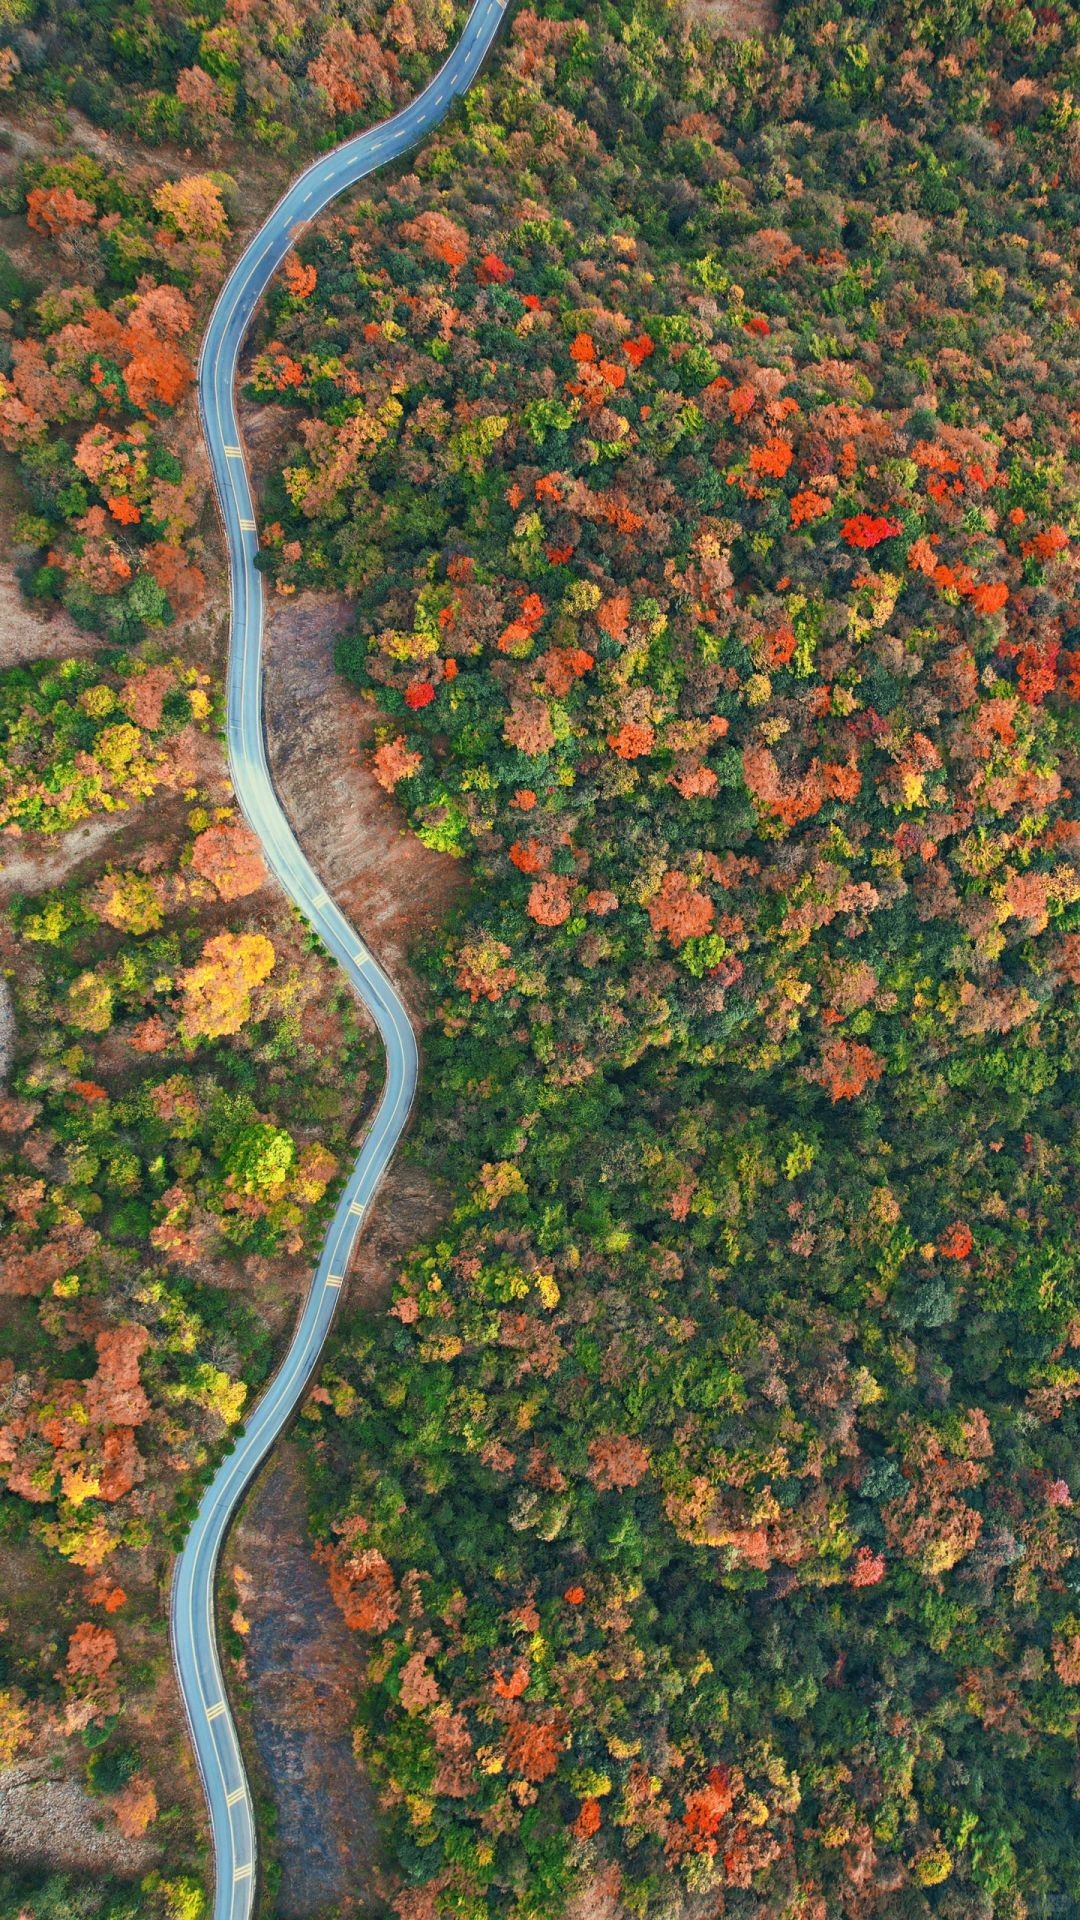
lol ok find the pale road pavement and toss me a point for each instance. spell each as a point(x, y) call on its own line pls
point(232, 1813)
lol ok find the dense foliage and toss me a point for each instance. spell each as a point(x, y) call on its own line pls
point(187, 1080)
point(99, 308)
point(693, 428)
point(185, 1091)
point(62, 1896)
point(186, 1084)
point(72, 744)
point(281, 73)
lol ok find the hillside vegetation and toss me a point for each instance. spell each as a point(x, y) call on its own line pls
point(187, 1079)
point(281, 75)
point(692, 424)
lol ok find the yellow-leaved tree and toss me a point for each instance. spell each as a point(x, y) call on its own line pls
point(216, 991)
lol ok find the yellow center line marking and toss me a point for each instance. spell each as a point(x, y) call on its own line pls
point(217, 1708)
point(232, 1798)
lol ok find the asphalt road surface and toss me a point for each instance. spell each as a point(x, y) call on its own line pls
point(232, 1813)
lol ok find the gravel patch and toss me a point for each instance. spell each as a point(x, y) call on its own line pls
point(56, 1823)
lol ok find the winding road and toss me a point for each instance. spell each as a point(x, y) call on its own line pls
point(194, 1641)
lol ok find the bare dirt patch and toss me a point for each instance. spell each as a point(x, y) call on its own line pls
point(301, 1665)
point(739, 19)
point(26, 634)
point(393, 888)
point(48, 860)
point(267, 431)
point(408, 1209)
point(56, 1823)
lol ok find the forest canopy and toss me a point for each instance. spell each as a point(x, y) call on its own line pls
point(694, 425)
point(282, 74)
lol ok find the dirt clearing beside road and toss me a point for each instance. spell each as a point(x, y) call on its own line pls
point(392, 887)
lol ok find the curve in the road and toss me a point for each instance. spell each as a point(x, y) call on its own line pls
point(194, 1641)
